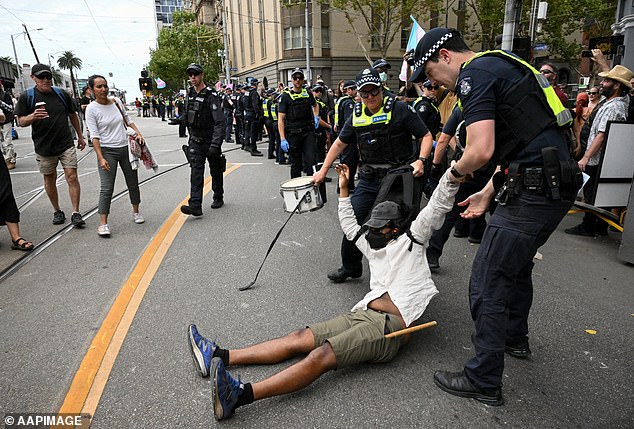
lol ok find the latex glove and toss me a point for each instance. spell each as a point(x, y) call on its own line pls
point(284, 145)
point(316, 122)
point(435, 172)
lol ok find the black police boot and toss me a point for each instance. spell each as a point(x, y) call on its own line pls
point(217, 203)
point(581, 229)
point(432, 261)
point(520, 351)
point(457, 383)
point(255, 152)
point(340, 275)
point(191, 211)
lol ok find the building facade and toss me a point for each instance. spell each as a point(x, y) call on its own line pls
point(163, 11)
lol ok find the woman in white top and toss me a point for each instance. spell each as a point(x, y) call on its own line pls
point(105, 119)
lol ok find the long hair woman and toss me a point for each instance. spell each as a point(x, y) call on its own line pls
point(107, 119)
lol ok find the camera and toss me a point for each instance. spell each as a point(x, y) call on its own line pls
point(410, 58)
point(586, 54)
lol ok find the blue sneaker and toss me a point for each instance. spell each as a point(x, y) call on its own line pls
point(226, 390)
point(202, 350)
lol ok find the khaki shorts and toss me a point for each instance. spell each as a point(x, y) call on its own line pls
point(48, 164)
point(359, 336)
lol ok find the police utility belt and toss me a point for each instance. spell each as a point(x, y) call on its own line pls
point(374, 171)
point(200, 140)
point(555, 179)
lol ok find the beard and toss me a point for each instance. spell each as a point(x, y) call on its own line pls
point(607, 91)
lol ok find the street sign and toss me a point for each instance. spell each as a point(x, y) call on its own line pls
point(233, 69)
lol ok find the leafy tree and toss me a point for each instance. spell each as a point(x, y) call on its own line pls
point(68, 61)
point(384, 19)
point(181, 44)
point(489, 20)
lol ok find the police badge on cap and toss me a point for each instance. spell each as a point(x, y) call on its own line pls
point(431, 43)
point(368, 76)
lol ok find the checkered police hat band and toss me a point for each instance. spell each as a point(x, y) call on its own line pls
point(368, 79)
point(431, 51)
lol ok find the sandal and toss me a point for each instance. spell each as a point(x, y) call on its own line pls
point(22, 244)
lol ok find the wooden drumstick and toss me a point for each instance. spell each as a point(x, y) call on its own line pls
point(411, 329)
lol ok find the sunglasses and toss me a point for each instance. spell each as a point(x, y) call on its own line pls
point(298, 77)
point(45, 76)
point(366, 94)
point(546, 72)
point(593, 92)
point(190, 74)
point(435, 87)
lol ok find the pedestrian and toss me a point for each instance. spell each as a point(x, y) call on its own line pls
point(47, 109)
point(298, 117)
point(252, 114)
point(6, 128)
point(399, 294)
point(206, 128)
point(137, 105)
point(9, 212)
point(107, 120)
point(615, 87)
point(383, 129)
point(550, 71)
point(529, 144)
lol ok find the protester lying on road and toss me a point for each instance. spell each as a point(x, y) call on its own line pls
point(400, 289)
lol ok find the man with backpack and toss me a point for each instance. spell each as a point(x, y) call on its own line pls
point(47, 109)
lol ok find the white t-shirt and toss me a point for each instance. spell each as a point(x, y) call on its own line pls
point(106, 123)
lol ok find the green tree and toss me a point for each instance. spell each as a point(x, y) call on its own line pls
point(68, 61)
point(384, 19)
point(181, 44)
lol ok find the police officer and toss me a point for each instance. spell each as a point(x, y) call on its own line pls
point(513, 117)
point(252, 113)
point(267, 101)
point(324, 125)
point(228, 106)
point(383, 128)
point(238, 113)
point(382, 66)
point(206, 125)
point(343, 110)
point(427, 108)
point(280, 156)
point(180, 114)
point(298, 117)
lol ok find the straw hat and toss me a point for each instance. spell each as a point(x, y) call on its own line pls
point(620, 74)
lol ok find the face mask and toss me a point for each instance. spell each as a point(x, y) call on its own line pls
point(383, 76)
point(376, 240)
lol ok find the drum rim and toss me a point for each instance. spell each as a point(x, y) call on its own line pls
point(306, 179)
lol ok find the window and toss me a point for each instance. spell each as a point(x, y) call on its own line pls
point(325, 37)
point(294, 37)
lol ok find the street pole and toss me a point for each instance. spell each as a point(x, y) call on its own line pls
point(307, 45)
point(225, 40)
point(509, 26)
point(15, 55)
point(532, 28)
point(31, 42)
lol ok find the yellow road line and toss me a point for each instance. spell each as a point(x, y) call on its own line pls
point(93, 373)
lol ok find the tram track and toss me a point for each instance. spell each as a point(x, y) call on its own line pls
point(47, 242)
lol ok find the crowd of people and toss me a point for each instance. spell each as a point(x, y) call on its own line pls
point(453, 133)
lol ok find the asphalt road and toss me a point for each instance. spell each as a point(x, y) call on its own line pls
point(52, 312)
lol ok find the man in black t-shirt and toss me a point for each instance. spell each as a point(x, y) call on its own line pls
point(48, 109)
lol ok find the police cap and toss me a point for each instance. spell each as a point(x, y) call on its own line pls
point(431, 43)
point(381, 63)
point(318, 87)
point(297, 71)
point(193, 67)
point(384, 213)
point(254, 81)
point(368, 76)
point(349, 84)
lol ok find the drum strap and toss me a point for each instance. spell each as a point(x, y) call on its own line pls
point(296, 210)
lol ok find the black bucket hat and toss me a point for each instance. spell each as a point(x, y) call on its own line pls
point(431, 43)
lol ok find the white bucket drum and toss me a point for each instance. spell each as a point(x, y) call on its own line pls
point(295, 189)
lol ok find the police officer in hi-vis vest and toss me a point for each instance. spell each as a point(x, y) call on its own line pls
point(513, 117)
point(298, 117)
point(383, 129)
point(206, 125)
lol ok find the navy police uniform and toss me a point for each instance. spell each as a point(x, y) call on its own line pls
point(206, 125)
point(252, 114)
point(537, 186)
point(384, 140)
point(299, 129)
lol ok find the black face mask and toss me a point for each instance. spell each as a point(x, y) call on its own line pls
point(376, 240)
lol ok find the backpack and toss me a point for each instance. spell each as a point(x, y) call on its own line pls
point(30, 97)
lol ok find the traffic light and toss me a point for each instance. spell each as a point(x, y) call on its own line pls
point(145, 84)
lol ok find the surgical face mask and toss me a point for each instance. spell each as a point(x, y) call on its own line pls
point(377, 240)
point(383, 76)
